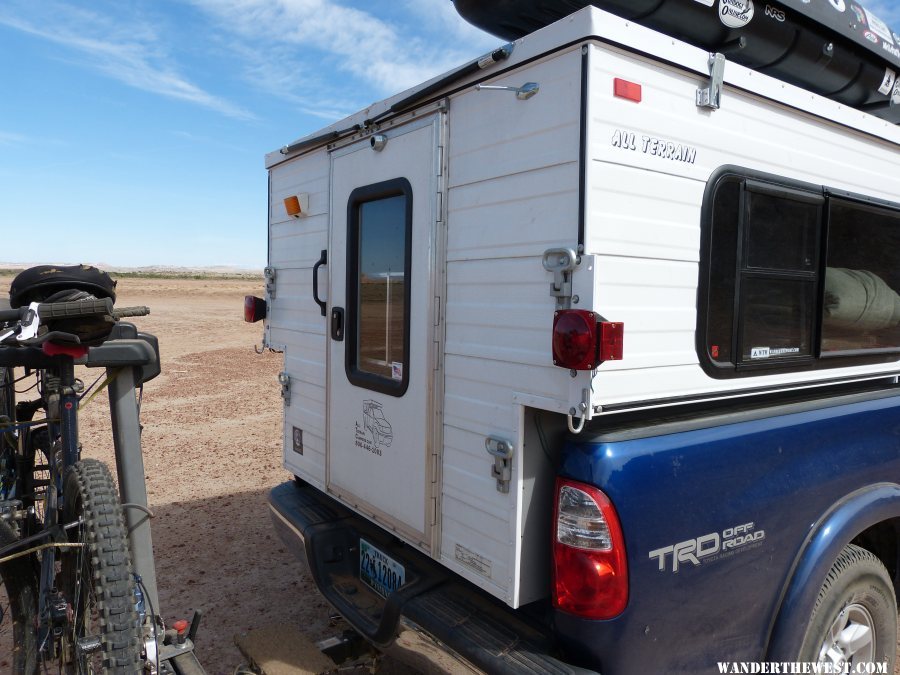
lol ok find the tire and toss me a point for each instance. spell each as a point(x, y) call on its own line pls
point(857, 594)
point(18, 610)
point(96, 580)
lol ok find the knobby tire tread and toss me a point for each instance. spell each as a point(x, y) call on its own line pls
point(89, 485)
point(18, 579)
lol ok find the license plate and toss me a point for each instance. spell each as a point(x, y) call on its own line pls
point(380, 572)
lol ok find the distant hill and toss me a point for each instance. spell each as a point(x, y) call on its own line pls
point(152, 271)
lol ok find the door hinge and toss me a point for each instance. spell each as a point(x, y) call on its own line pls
point(433, 511)
point(285, 381)
point(269, 274)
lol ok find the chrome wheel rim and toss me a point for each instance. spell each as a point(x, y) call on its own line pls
point(850, 638)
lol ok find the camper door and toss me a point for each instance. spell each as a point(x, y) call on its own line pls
point(382, 326)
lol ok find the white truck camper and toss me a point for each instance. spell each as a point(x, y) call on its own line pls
point(467, 273)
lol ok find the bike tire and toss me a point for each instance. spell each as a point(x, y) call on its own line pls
point(97, 579)
point(18, 611)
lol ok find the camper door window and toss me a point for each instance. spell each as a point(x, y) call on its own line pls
point(378, 271)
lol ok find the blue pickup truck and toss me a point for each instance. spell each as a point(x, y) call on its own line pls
point(591, 345)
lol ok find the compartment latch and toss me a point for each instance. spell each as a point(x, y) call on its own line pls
point(269, 274)
point(562, 262)
point(502, 452)
point(285, 381)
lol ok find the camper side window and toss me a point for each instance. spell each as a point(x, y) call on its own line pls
point(861, 306)
point(378, 272)
point(793, 275)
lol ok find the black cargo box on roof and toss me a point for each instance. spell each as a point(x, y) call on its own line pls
point(835, 48)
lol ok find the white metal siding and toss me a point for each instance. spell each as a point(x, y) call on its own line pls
point(295, 323)
point(513, 193)
point(643, 211)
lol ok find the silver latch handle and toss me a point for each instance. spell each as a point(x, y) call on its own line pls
point(497, 447)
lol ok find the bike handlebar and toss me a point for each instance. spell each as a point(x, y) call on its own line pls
point(125, 312)
point(61, 310)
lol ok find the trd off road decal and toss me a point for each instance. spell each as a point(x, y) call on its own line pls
point(374, 432)
point(709, 547)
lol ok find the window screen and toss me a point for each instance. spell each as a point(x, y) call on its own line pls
point(861, 305)
point(378, 286)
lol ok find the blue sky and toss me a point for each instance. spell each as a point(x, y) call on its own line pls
point(132, 132)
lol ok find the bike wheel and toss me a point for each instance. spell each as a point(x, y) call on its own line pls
point(96, 579)
point(35, 480)
point(18, 609)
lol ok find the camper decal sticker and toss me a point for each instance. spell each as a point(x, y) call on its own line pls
point(375, 432)
point(709, 547)
point(839, 5)
point(658, 147)
point(775, 13)
point(768, 352)
point(887, 84)
point(736, 13)
point(879, 27)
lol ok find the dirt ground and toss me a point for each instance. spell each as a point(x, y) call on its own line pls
point(212, 450)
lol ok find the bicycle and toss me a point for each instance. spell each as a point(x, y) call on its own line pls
point(76, 564)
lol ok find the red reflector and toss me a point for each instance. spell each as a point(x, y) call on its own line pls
point(254, 309)
point(590, 569)
point(612, 334)
point(575, 339)
point(625, 89)
point(55, 349)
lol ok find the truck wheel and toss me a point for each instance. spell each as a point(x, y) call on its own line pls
point(855, 617)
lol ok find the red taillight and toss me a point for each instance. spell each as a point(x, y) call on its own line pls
point(590, 572)
point(254, 309)
point(580, 342)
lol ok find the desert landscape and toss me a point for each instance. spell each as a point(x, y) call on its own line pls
point(212, 451)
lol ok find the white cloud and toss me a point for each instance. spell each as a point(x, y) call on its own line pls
point(10, 138)
point(294, 43)
point(128, 51)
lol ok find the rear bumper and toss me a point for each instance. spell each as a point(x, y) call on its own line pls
point(468, 623)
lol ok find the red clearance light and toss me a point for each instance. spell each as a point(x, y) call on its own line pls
point(612, 334)
point(590, 568)
point(254, 309)
point(581, 342)
point(625, 89)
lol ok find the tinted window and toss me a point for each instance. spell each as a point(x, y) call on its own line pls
point(381, 342)
point(793, 277)
point(378, 273)
point(861, 307)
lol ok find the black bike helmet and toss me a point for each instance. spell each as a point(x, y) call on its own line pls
point(54, 283)
point(37, 284)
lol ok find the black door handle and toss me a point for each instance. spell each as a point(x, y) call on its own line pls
point(337, 323)
point(323, 260)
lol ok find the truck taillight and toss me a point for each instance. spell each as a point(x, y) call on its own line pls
point(590, 572)
point(581, 341)
point(254, 309)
